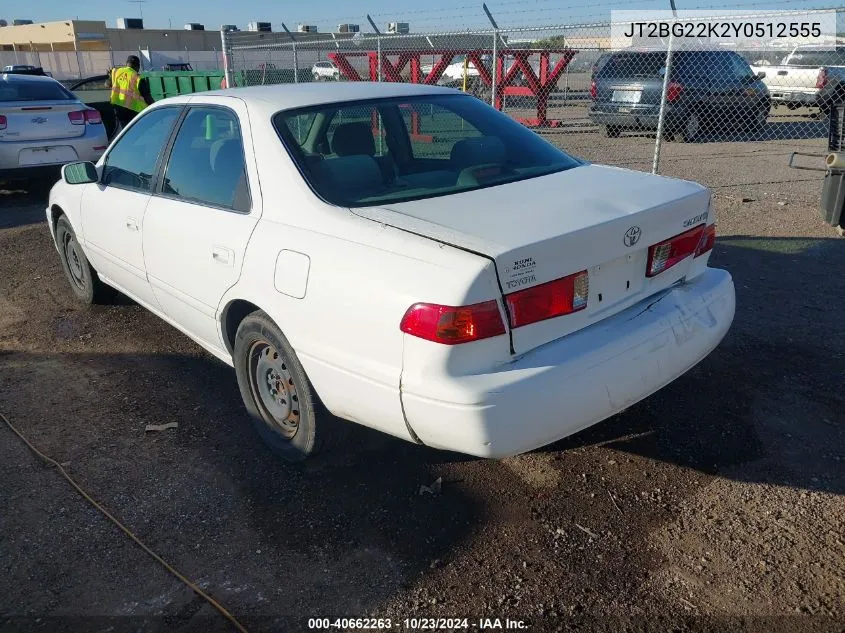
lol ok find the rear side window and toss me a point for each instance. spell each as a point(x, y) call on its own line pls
point(207, 162)
point(33, 91)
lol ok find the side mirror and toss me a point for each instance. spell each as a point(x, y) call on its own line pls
point(80, 173)
point(761, 75)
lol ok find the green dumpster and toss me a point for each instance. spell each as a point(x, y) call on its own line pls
point(165, 83)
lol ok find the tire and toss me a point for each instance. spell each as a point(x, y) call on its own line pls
point(275, 389)
point(611, 131)
point(756, 121)
point(316, 77)
point(84, 283)
point(690, 130)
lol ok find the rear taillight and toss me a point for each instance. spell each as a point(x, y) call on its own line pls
point(673, 91)
point(81, 117)
point(821, 80)
point(2, 122)
point(707, 241)
point(663, 255)
point(93, 117)
point(549, 300)
point(594, 91)
point(452, 325)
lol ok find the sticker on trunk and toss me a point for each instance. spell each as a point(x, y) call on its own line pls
point(696, 219)
point(520, 272)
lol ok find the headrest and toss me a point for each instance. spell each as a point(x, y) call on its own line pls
point(350, 175)
point(477, 151)
point(353, 138)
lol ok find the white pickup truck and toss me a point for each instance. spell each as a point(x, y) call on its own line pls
point(809, 76)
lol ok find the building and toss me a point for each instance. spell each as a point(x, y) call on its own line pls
point(94, 35)
point(398, 28)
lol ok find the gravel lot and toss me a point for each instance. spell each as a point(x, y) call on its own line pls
point(716, 504)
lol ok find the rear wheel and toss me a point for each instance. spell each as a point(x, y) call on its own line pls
point(611, 131)
point(756, 120)
point(84, 283)
point(275, 389)
point(690, 130)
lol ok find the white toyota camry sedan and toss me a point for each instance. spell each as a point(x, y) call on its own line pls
point(401, 256)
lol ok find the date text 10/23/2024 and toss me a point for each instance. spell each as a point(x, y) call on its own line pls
point(418, 624)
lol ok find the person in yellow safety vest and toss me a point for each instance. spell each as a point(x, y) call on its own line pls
point(130, 93)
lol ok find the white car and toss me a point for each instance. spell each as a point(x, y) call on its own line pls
point(484, 292)
point(325, 71)
point(44, 125)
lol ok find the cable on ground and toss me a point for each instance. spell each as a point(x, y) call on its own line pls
point(192, 585)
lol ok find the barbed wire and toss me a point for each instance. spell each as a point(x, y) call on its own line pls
point(431, 15)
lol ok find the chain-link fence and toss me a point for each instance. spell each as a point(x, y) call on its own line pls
point(728, 116)
point(71, 65)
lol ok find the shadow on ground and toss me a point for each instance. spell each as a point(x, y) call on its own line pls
point(768, 405)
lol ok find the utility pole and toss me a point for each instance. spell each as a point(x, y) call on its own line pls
point(495, 64)
point(295, 59)
point(378, 45)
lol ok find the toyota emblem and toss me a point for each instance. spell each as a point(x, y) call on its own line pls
point(632, 235)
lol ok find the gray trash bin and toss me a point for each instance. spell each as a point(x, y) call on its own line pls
point(833, 189)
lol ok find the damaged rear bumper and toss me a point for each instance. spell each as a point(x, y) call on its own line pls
point(572, 383)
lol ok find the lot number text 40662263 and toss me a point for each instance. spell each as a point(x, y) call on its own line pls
point(418, 624)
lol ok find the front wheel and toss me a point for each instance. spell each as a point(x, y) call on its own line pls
point(275, 389)
point(84, 283)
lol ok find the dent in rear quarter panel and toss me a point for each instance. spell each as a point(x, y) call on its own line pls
point(345, 330)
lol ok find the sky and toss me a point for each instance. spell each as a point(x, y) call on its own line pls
point(427, 16)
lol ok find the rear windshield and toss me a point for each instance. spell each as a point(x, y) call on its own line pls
point(631, 65)
point(33, 91)
point(383, 151)
point(652, 65)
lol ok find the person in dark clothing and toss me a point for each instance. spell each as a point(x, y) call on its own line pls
point(130, 93)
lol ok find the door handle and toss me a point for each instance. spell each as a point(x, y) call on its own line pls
point(222, 255)
point(783, 72)
point(132, 224)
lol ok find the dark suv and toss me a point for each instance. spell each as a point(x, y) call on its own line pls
point(706, 89)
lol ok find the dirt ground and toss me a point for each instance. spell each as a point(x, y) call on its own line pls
point(718, 504)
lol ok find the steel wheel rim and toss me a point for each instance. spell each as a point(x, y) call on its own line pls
point(692, 126)
point(273, 389)
point(74, 264)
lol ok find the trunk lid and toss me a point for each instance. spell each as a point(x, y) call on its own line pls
point(594, 218)
point(40, 120)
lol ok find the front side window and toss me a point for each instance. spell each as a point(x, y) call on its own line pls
point(207, 163)
point(131, 163)
point(399, 149)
